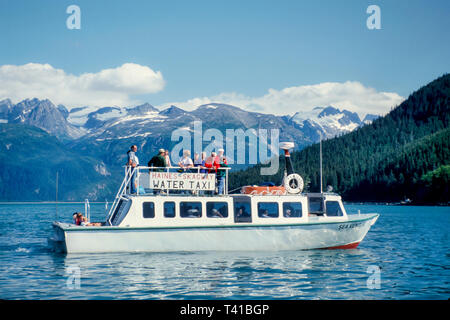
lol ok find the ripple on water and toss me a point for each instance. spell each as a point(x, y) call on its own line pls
point(410, 246)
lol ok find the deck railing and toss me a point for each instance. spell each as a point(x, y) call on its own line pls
point(122, 190)
point(125, 187)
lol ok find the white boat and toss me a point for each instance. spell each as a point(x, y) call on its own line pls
point(194, 221)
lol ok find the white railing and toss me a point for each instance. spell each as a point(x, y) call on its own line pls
point(197, 169)
point(122, 190)
point(87, 210)
point(130, 171)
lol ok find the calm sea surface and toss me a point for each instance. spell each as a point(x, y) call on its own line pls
point(407, 250)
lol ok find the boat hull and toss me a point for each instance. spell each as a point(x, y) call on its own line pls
point(311, 235)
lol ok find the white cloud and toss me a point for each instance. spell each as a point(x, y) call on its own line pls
point(107, 87)
point(350, 95)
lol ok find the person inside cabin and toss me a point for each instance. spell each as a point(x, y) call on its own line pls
point(288, 213)
point(186, 162)
point(133, 162)
point(193, 212)
point(265, 214)
point(242, 212)
point(215, 213)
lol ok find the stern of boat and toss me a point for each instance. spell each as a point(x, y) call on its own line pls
point(57, 241)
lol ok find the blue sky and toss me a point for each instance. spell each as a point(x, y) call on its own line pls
point(207, 48)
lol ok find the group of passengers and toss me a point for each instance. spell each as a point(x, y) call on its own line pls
point(201, 164)
point(80, 220)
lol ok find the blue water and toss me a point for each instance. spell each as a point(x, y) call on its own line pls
point(408, 248)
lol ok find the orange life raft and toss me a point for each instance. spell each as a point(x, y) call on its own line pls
point(264, 190)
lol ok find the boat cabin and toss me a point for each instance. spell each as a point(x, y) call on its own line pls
point(188, 210)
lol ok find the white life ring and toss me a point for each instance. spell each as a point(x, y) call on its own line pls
point(293, 183)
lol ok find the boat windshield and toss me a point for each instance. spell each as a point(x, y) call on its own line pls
point(316, 205)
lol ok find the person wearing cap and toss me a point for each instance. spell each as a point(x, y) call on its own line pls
point(158, 161)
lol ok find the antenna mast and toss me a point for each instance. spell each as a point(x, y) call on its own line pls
point(320, 146)
point(56, 202)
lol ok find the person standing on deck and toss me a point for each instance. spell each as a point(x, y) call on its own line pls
point(221, 173)
point(158, 161)
point(133, 162)
point(186, 162)
point(167, 157)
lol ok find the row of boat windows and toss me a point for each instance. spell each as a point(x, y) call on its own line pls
point(242, 210)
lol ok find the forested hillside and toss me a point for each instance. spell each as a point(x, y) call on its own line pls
point(30, 159)
point(402, 155)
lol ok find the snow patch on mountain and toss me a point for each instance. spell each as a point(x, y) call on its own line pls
point(328, 121)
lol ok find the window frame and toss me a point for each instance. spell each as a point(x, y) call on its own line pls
point(339, 206)
point(174, 209)
point(187, 202)
point(270, 216)
point(144, 209)
point(221, 202)
point(290, 204)
point(317, 213)
point(243, 219)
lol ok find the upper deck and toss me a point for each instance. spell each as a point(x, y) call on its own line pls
point(196, 203)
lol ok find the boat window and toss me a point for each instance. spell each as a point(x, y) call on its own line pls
point(292, 209)
point(169, 209)
point(268, 209)
point(315, 205)
point(148, 209)
point(190, 209)
point(217, 209)
point(242, 211)
point(333, 209)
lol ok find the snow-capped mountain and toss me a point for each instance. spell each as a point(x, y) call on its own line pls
point(105, 132)
point(329, 121)
point(42, 114)
point(93, 117)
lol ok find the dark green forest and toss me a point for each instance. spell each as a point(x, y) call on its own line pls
point(404, 154)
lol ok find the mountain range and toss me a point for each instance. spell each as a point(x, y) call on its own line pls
point(98, 138)
point(112, 122)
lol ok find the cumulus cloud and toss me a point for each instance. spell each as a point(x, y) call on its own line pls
point(350, 95)
point(107, 87)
